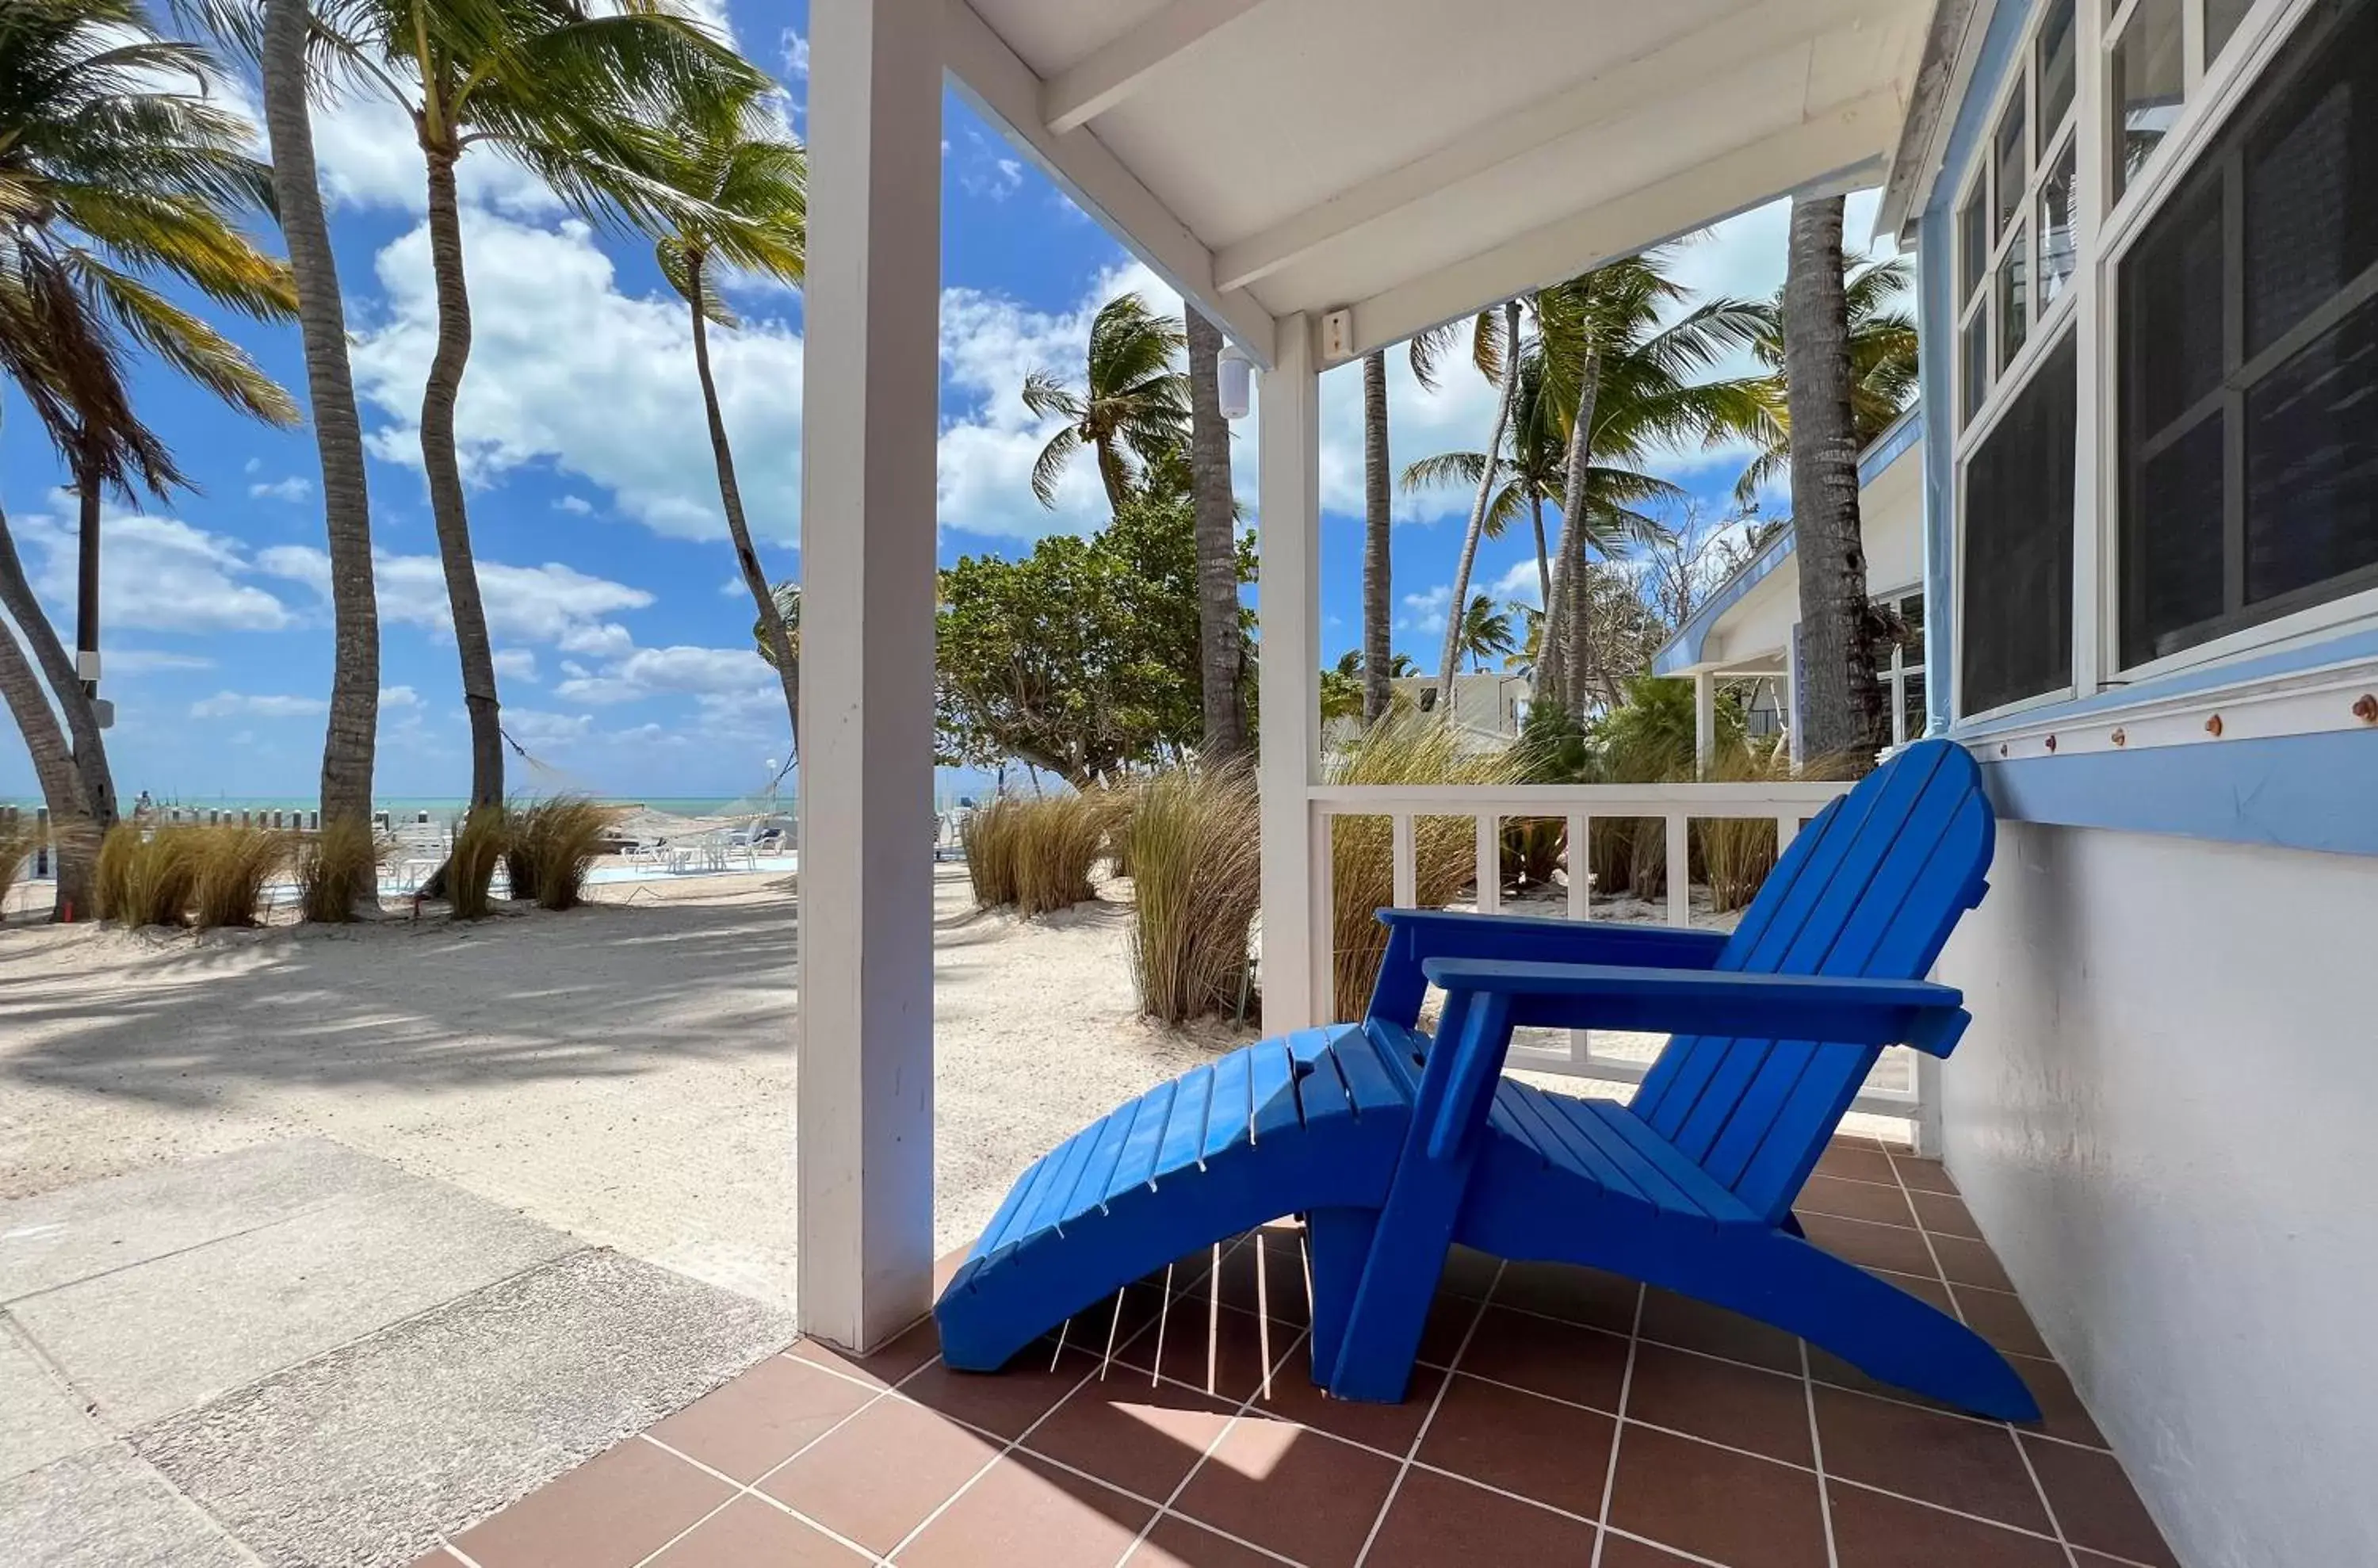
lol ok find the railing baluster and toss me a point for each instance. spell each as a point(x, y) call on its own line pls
point(1406, 862)
point(1490, 863)
point(1680, 867)
point(1323, 874)
point(1580, 907)
point(1787, 827)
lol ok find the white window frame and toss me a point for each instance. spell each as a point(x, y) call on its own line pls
point(2215, 89)
point(2044, 329)
point(1894, 675)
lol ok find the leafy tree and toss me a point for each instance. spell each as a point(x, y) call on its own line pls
point(1485, 632)
point(117, 171)
point(784, 599)
point(1081, 657)
point(745, 205)
point(1132, 406)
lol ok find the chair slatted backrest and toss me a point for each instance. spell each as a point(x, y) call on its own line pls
point(1872, 887)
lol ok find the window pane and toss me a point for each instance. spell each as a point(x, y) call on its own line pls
point(2171, 308)
point(2056, 259)
point(2012, 163)
point(2016, 628)
point(2221, 19)
point(2312, 463)
point(1911, 614)
point(2013, 327)
point(2055, 49)
point(2171, 558)
point(1974, 353)
point(1973, 241)
point(1911, 706)
point(2311, 181)
point(2147, 86)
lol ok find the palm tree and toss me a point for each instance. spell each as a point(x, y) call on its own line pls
point(1883, 377)
point(1629, 377)
point(117, 170)
point(1496, 349)
point(1485, 632)
point(564, 86)
point(1531, 466)
point(747, 207)
point(1377, 542)
point(1221, 656)
point(1842, 704)
point(1133, 405)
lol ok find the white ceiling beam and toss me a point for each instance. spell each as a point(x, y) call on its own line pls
point(1116, 70)
point(1742, 38)
point(1006, 91)
point(1841, 149)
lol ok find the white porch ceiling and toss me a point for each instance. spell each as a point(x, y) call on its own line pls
point(1416, 160)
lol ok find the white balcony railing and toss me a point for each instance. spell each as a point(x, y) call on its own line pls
point(1900, 1084)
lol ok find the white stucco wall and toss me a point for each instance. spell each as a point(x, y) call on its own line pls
point(2166, 1119)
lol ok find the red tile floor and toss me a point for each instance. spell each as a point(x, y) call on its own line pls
point(1560, 1416)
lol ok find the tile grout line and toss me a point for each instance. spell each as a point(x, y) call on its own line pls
point(1477, 1316)
point(1618, 1426)
point(743, 1490)
point(2013, 1436)
point(1817, 1458)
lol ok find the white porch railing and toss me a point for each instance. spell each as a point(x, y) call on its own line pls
point(1901, 1084)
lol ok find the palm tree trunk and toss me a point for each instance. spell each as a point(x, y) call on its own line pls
point(351, 739)
point(730, 499)
point(1842, 702)
point(1219, 662)
point(444, 468)
point(1564, 595)
point(1378, 519)
point(72, 829)
point(74, 698)
point(1113, 474)
point(1544, 556)
point(1451, 664)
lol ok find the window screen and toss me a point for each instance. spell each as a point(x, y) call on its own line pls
point(2017, 636)
point(2249, 325)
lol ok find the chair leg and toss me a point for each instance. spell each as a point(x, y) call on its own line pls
point(1398, 1280)
point(1340, 1240)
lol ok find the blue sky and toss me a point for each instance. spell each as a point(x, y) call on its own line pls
point(625, 662)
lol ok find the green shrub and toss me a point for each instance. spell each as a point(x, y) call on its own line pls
point(338, 870)
point(478, 844)
point(1399, 749)
point(1199, 881)
point(228, 867)
point(550, 846)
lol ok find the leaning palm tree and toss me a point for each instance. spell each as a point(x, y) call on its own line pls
point(118, 172)
point(1883, 377)
point(1530, 467)
point(1221, 652)
point(564, 86)
point(1495, 347)
point(1132, 408)
point(745, 190)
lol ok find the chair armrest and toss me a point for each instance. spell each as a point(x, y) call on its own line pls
point(1841, 1009)
point(1416, 936)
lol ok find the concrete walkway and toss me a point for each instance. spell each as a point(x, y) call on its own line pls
point(295, 1353)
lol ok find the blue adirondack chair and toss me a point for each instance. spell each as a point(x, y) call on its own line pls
point(1393, 1143)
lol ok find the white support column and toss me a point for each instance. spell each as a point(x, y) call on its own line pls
point(1296, 989)
point(1704, 721)
point(871, 387)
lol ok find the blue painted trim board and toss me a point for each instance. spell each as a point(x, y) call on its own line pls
point(2314, 792)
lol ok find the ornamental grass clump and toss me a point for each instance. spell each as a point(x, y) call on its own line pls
point(230, 867)
point(1057, 841)
point(20, 835)
point(479, 844)
point(1399, 749)
point(338, 870)
point(1197, 879)
point(990, 838)
point(146, 878)
point(550, 846)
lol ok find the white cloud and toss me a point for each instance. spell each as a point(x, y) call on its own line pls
point(1520, 583)
point(1425, 611)
point(796, 54)
point(577, 506)
point(226, 704)
point(369, 157)
point(158, 575)
point(297, 486)
point(516, 664)
point(531, 727)
point(550, 323)
point(652, 672)
point(552, 603)
point(143, 661)
point(398, 696)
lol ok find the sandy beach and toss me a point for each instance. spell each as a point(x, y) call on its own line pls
point(624, 1071)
